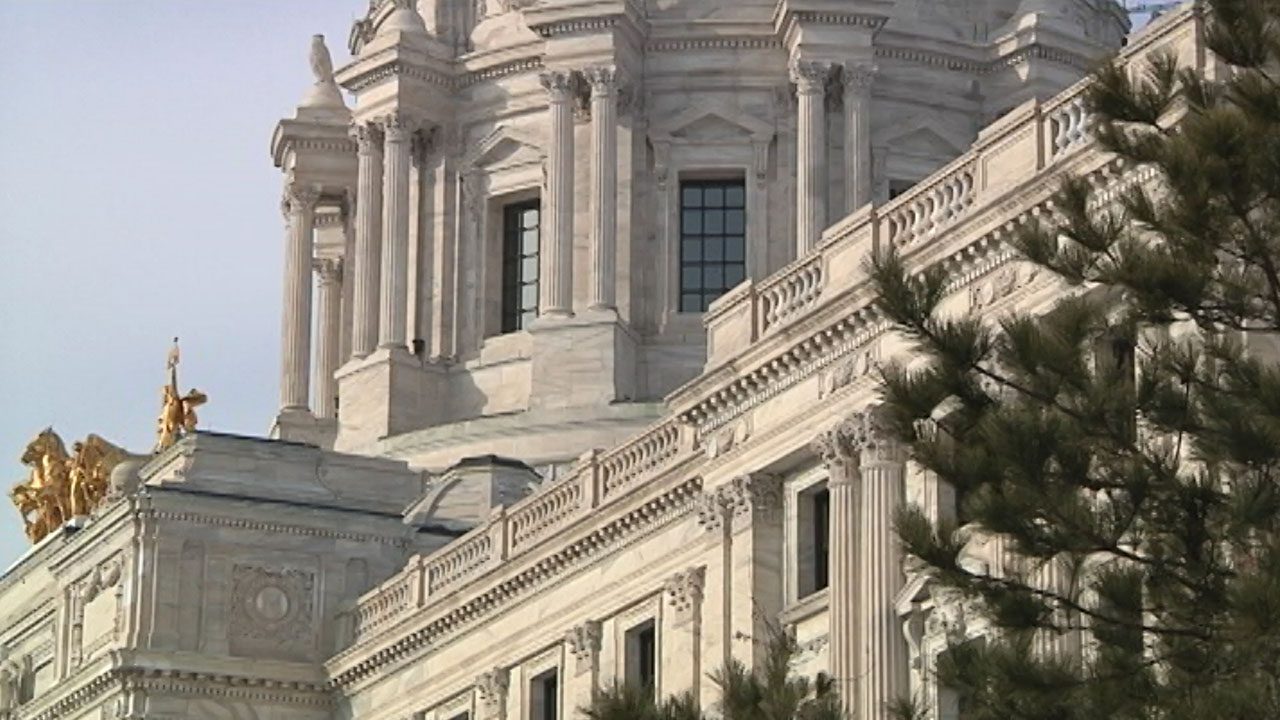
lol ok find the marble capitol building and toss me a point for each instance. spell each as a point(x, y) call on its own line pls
point(578, 377)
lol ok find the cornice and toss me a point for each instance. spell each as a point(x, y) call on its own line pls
point(401, 643)
point(733, 42)
point(272, 527)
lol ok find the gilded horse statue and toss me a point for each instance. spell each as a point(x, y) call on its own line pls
point(90, 472)
point(42, 499)
point(177, 412)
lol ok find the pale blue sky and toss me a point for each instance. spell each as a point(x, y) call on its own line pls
point(137, 202)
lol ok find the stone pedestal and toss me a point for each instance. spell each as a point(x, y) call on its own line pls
point(389, 392)
point(301, 426)
point(587, 360)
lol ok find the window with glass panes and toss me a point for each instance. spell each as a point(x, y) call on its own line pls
point(713, 240)
point(520, 238)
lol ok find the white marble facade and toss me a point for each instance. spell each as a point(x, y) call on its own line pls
point(447, 515)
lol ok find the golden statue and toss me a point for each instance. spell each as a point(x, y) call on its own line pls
point(62, 486)
point(177, 412)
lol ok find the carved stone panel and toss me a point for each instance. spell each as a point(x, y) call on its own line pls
point(272, 613)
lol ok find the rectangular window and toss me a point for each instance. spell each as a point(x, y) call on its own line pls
point(814, 536)
point(641, 656)
point(713, 240)
point(544, 696)
point(520, 239)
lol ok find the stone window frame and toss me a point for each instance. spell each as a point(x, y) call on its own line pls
point(703, 210)
point(512, 312)
point(536, 667)
point(634, 615)
point(802, 482)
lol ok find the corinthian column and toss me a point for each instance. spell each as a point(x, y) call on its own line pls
point(555, 291)
point(329, 276)
point(857, 80)
point(368, 246)
point(838, 449)
point(295, 350)
point(604, 185)
point(882, 468)
point(811, 151)
point(393, 318)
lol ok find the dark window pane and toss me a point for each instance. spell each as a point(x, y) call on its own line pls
point(735, 249)
point(713, 222)
point(529, 297)
point(713, 197)
point(692, 196)
point(735, 196)
point(529, 269)
point(692, 250)
point(690, 303)
point(706, 302)
point(520, 235)
point(691, 223)
point(733, 274)
point(735, 222)
point(713, 275)
point(691, 278)
point(714, 248)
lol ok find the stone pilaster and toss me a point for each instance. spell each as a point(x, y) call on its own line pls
point(556, 282)
point(682, 631)
point(491, 691)
point(295, 360)
point(329, 300)
point(604, 186)
point(810, 78)
point(882, 674)
point(857, 81)
point(582, 676)
point(838, 449)
point(393, 317)
point(367, 265)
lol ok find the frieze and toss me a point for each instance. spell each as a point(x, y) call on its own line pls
point(245, 524)
point(272, 610)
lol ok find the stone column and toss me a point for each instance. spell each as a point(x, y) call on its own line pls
point(838, 449)
point(393, 318)
point(856, 81)
point(604, 186)
point(555, 286)
point(328, 337)
point(882, 674)
point(368, 247)
point(295, 348)
point(811, 151)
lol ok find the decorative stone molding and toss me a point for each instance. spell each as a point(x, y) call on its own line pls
point(684, 591)
point(810, 76)
point(398, 126)
point(299, 197)
point(491, 692)
point(584, 644)
point(368, 138)
point(559, 84)
point(270, 527)
point(745, 498)
point(328, 270)
point(859, 365)
point(858, 77)
point(272, 611)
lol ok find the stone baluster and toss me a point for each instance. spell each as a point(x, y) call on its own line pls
point(838, 449)
point(857, 81)
point(368, 246)
point(393, 318)
point(811, 151)
point(556, 282)
point(329, 283)
point(295, 361)
point(882, 674)
point(604, 185)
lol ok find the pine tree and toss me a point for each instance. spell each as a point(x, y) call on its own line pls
point(770, 692)
point(1130, 437)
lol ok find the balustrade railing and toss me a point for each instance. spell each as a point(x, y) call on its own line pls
point(788, 295)
point(638, 458)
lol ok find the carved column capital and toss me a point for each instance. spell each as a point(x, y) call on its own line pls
point(684, 591)
point(603, 80)
point(492, 689)
point(398, 126)
point(584, 644)
point(367, 136)
point(742, 499)
point(858, 78)
point(559, 84)
point(424, 145)
point(810, 76)
point(328, 270)
point(299, 197)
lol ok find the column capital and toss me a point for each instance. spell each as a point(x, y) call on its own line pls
point(857, 78)
point(559, 84)
point(684, 590)
point(424, 145)
point(744, 497)
point(367, 136)
point(399, 126)
point(810, 76)
point(603, 79)
point(492, 687)
point(584, 644)
point(328, 270)
point(863, 438)
point(301, 197)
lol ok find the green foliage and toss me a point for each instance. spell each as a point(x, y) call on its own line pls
point(1132, 434)
point(770, 692)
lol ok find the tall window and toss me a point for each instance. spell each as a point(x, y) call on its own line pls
point(520, 238)
point(641, 653)
point(713, 240)
point(813, 539)
point(544, 696)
